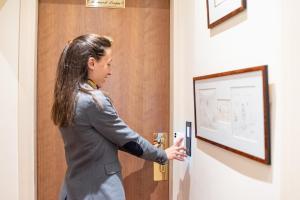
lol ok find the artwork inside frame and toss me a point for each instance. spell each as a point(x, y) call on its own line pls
point(220, 10)
point(232, 111)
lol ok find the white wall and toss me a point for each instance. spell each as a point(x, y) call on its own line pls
point(291, 119)
point(9, 44)
point(252, 38)
point(17, 103)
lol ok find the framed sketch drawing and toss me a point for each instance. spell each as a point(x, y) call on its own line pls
point(220, 10)
point(232, 111)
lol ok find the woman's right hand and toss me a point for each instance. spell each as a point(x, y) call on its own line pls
point(176, 151)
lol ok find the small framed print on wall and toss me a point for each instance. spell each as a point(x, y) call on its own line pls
point(232, 111)
point(221, 10)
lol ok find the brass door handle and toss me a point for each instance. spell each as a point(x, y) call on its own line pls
point(160, 172)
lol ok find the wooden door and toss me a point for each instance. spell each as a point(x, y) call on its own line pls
point(139, 85)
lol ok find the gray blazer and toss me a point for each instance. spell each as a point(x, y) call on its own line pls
point(91, 149)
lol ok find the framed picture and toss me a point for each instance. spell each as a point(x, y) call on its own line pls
point(220, 10)
point(232, 111)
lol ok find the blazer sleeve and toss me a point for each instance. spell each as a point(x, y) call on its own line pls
point(106, 121)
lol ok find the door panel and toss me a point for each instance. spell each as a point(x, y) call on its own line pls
point(139, 85)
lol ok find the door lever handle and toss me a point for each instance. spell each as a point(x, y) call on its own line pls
point(161, 172)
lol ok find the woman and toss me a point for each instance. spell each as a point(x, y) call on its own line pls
point(91, 129)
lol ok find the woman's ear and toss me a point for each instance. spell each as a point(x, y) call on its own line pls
point(91, 63)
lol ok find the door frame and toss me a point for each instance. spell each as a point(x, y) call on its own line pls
point(27, 99)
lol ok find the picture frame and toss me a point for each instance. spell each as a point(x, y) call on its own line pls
point(232, 111)
point(220, 10)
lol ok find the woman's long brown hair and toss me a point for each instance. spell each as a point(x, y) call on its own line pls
point(71, 71)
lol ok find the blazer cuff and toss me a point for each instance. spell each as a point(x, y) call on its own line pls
point(162, 157)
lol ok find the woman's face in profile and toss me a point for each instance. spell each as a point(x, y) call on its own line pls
point(102, 68)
